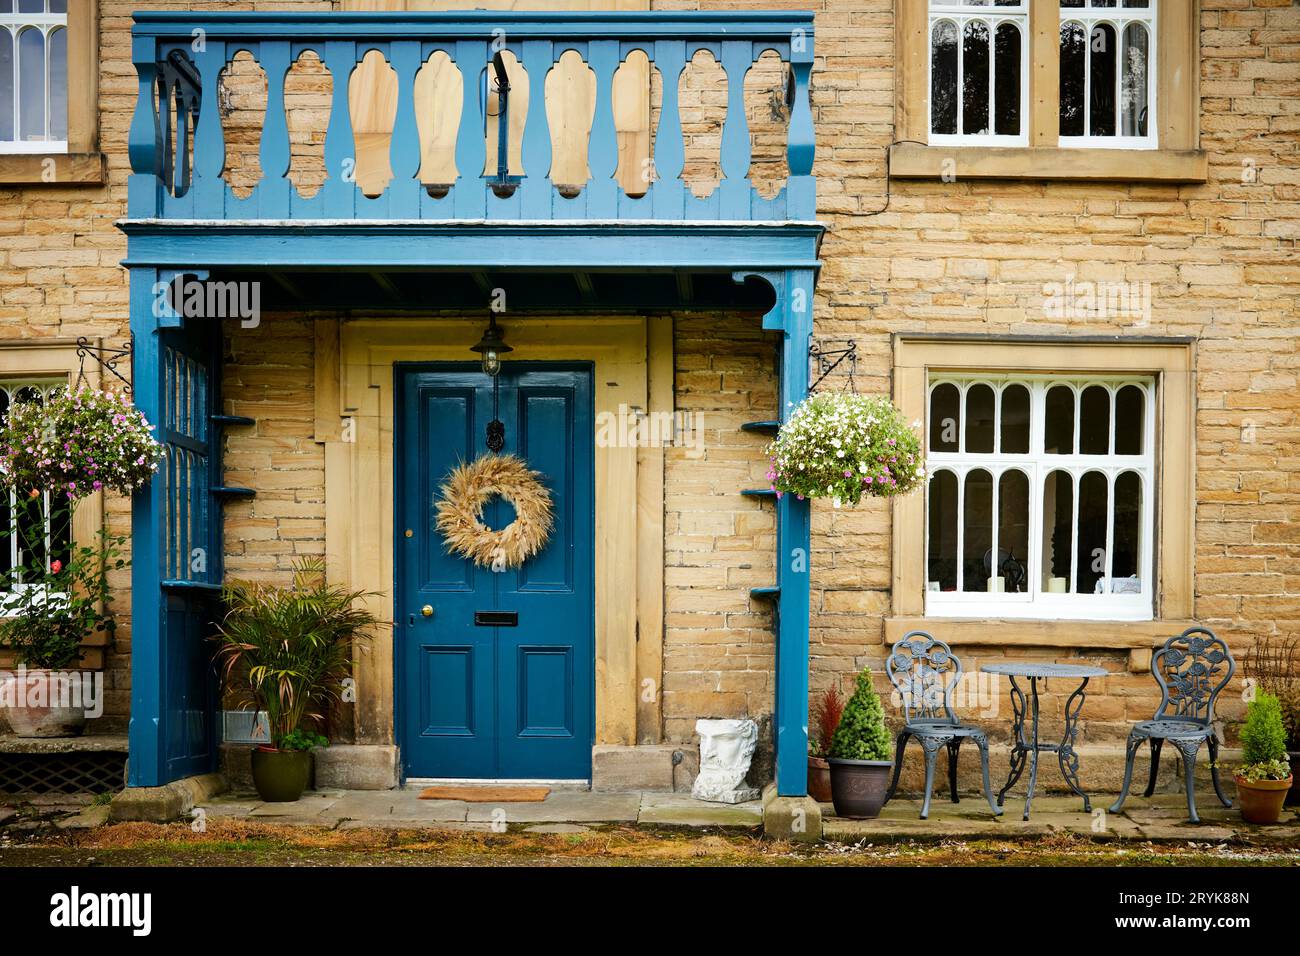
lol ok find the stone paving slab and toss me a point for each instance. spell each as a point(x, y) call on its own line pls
point(1161, 818)
point(681, 809)
point(563, 806)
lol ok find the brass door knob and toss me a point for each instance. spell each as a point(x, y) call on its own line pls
point(427, 610)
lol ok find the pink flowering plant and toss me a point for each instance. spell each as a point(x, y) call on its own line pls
point(76, 443)
point(841, 446)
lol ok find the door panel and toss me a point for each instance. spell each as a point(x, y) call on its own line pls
point(495, 701)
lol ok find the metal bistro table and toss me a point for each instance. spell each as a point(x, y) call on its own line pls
point(1024, 749)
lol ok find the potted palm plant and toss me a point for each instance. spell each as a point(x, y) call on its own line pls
point(826, 712)
point(286, 652)
point(1265, 776)
point(860, 754)
point(50, 605)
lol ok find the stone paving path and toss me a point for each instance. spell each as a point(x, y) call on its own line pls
point(562, 811)
point(1162, 817)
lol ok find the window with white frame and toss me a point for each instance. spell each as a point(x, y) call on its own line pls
point(1108, 50)
point(33, 76)
point(979, 72)
point(37, 533)
point(1039, 497)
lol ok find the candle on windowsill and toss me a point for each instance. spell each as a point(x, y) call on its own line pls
point(1056, 586)
point(997, 585)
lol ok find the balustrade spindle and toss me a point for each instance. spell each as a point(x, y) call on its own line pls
point(735, 189)
point(536, 191)
point(669, 191)
point(469, 199)
point(340, 190)
point(209, 138)
point(404, 151)
point(602, 153)
point(274, 188)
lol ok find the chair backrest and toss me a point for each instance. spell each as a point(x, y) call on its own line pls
point(1191, 669)
point(924, 671)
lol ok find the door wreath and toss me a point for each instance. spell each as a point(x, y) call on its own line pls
point(469, 487)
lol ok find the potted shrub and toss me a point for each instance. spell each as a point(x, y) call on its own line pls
point(49, 607)
point(286, 652)
point(826, 712)
point(1274, 665)
point(860, 754)
point(841, 446)
point(1265, 776)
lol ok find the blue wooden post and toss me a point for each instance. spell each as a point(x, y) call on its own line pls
point(793, 553)
point(148, 672)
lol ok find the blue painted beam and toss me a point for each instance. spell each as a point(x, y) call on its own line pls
point(567, 26)
point(517, 245)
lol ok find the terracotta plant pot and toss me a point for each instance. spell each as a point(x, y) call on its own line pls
point(281, 776)
point(44, 703)
point(858, 787)
point(819, 779)
point(1293, 795)
point(1261, 801)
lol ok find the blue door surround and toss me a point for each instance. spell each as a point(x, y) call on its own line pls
point(513, 701)
point(183, 222)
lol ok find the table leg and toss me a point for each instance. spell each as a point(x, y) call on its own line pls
point(1033, 748)
point(1018, 749)
point(1068, 757)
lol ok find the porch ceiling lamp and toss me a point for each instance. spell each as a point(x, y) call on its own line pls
point(491, 347)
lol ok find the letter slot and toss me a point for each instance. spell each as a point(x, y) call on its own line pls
point(496, 618)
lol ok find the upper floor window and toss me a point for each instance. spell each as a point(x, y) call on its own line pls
point(979, 71)
point(1040, 497)
point(33, 76)
point(1107, 67)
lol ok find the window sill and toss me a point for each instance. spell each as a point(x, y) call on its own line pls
point(915, 161)
point(1136, 637)
point(69, 169)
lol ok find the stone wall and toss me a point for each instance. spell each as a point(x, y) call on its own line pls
point(966, 256)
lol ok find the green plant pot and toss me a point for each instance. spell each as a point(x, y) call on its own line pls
point(281, 776)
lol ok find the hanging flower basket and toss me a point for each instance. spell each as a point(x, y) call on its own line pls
point(841, 446)
point(76, 443)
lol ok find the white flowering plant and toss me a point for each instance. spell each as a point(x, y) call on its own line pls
point(76, 443)
point(841, 446)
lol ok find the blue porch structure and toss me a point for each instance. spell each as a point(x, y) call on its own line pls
point(601, 250)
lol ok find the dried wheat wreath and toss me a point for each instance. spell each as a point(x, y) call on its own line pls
point(460, 511)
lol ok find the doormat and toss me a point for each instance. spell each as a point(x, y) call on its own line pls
point(486, 794)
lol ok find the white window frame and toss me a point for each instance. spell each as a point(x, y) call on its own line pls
point(14, 23)
point(1119, 17)
point(960, 12)
point(1035, 602)
point(12, 384)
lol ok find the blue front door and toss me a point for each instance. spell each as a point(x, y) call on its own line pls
point(492, 699)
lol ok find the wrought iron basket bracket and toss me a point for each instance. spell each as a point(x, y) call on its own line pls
point(827, 355)
point(106, 358)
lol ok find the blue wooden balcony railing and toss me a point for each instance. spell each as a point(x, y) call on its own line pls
point(178, 153)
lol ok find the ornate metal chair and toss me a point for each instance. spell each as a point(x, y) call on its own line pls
point(1191, 669)
point(924, 671)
